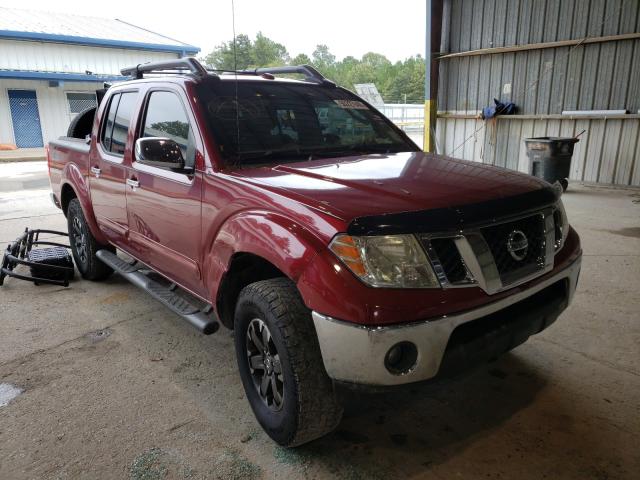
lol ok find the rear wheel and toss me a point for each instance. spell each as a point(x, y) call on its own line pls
point(84, 246)
point(281, 366)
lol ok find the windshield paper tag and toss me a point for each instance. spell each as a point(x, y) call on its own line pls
point(351, 104)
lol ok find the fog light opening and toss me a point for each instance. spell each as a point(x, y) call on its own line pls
point(401, 358)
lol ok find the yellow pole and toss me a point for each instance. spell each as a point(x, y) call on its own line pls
point(430, 110)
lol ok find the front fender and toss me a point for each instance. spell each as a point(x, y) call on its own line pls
point(73, 177)
point(281, 241)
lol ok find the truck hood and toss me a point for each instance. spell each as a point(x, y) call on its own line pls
point(379, 186)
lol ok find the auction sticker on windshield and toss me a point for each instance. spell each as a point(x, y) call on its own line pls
point(351, 104)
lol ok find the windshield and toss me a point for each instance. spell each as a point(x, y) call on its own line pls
point(275, 122)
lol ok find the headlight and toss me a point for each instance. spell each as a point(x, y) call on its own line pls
point(561, 225)
point(394, 261)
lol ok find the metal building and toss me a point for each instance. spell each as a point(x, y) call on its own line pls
point(52, 63)
point(548, 57)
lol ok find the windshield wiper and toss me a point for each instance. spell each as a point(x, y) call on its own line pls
point(270, 155)
point(349, 150)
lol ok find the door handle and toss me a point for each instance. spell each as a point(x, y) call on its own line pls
point(96, 171)
point(133, 183)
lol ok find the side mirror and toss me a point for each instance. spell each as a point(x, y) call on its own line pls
point(159, 152)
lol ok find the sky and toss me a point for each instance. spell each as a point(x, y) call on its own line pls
point(348, 27)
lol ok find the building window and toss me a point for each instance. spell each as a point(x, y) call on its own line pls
point(79, 102)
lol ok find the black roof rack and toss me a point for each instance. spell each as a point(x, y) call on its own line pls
point(166, 66)
point(310, 73)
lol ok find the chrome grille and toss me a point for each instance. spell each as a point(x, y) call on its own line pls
point(482, 256)
point(450, 259)
point(509, 264)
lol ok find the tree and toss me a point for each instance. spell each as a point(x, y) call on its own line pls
point(301, 59)
point(267, 53)
point(395, 81)
point(223, 57)
point(322, 57)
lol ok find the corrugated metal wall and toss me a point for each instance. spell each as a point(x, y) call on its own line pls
point(543, 82)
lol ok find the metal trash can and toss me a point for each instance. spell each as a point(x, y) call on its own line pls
point(550, 158)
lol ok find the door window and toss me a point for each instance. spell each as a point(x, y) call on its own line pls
point(117, 120)
point(122, 121)
point(109, 118)
point(166, 118)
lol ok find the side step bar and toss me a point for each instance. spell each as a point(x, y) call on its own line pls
point(203, 320)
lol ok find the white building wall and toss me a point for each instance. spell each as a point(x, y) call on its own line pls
point(58, 57)
point(52, 106)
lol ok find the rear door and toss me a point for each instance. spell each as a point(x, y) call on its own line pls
point(108, 164)
point(164, 206)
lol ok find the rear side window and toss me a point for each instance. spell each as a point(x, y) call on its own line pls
point(114, 136)
point(166, 118)
point(121, 124)
point(107, 128)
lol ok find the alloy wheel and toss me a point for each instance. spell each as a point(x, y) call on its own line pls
point(79, 240)
point(265, 365)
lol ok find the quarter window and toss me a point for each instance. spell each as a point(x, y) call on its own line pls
point(166, 118)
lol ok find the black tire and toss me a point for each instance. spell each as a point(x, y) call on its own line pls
point(310, 408)
point(565, 184)
point(84, 246)
point(82, 124)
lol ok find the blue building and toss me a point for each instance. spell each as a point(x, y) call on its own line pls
point(52, 63)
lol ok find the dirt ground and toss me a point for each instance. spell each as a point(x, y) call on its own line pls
point(116, 386)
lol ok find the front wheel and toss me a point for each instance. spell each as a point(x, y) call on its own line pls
point(281, 365)
point(84, 246)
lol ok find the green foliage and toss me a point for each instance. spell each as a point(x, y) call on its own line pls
point(397, 82)
point(174, 128)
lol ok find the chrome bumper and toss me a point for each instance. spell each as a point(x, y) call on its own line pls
point(355, 354)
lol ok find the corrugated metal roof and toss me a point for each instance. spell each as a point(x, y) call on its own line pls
point(67, 28)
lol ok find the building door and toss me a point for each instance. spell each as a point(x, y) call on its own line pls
point(26, 118)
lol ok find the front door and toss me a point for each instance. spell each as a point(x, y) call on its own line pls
point(164, 206)
point(25, 118)
point(108, 166)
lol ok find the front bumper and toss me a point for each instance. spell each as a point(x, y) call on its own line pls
point(356, 354)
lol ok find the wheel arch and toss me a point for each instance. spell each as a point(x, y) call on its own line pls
point(254, 246)
point(74, 185)
point(244, 268)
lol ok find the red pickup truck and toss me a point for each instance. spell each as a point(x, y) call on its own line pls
point(293, 212)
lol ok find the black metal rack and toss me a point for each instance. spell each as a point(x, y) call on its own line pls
point(309, 72)
point(49, 265)
point(195, 68)
point(168, 66)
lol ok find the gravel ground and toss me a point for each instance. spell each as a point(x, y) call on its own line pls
point(113, 385)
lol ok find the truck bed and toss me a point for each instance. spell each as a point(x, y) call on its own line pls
point(61, 153)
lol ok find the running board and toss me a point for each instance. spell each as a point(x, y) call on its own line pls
point(203, 319)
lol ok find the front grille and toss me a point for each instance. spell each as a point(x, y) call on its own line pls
point(450, 259)
point(520, 262)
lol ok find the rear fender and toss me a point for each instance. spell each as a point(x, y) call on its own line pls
point(72, 176)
